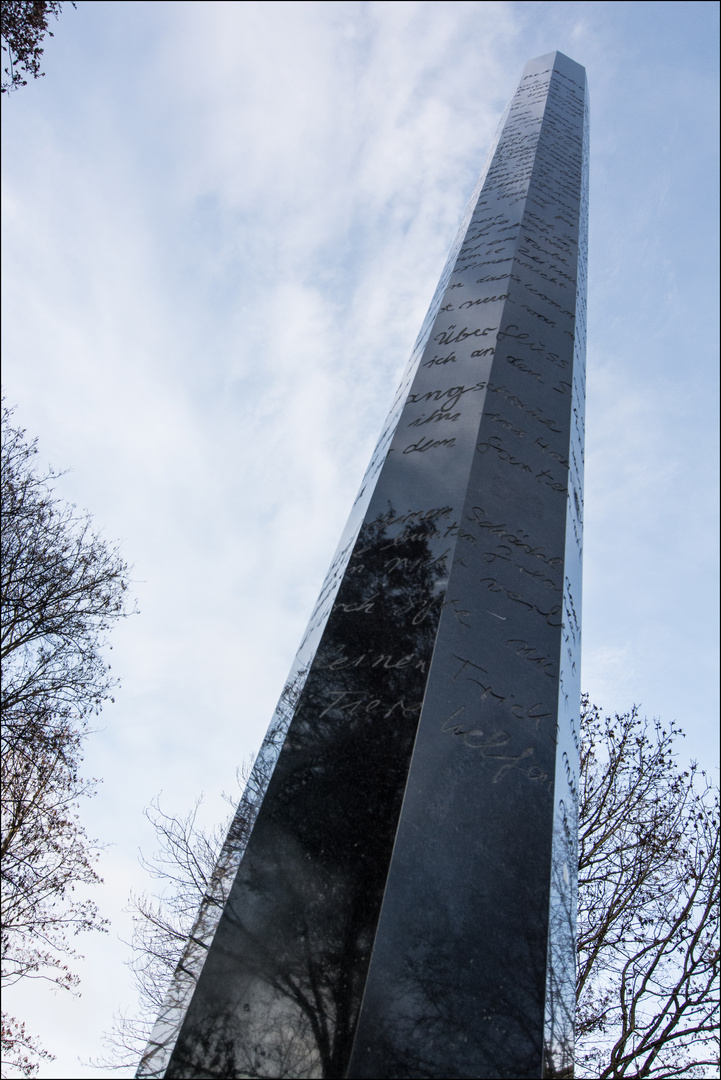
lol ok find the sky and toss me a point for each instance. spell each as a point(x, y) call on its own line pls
point(222, 226)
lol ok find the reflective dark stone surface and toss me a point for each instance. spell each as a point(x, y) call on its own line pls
point(405, 906)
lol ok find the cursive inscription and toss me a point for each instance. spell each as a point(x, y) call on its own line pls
point(452, 334)
point(428, 444)
point(440, 360)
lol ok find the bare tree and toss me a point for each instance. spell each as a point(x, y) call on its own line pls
point(62, 588)
point(648, 905)
point(186, 866)
point(647, 933)
point(173, 928)
point(24, 24)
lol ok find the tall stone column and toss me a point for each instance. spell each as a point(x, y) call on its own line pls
point(405, 895)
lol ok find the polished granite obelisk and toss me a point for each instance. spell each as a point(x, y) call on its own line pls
point(405, 901)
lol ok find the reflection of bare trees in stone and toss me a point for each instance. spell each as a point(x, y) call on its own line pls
point(494, 959)
point(280, 992)
point(558, 1052)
